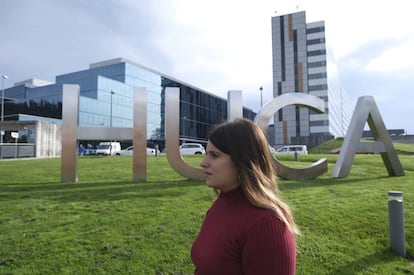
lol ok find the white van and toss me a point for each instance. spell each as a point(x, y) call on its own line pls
point(291, 149)
point(108, 148)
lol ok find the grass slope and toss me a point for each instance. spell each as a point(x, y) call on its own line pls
point(105, 224)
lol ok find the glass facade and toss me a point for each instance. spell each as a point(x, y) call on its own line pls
point(106, 100)
point(29, 99)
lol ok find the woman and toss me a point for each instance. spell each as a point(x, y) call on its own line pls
point(248, 229)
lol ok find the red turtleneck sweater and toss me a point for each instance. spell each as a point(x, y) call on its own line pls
point(238, 238)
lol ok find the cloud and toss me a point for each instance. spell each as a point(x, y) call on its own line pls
point(394, 60)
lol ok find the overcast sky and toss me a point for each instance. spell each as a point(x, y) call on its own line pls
point(216, 45)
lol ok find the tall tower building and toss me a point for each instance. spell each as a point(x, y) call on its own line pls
point(302, 64)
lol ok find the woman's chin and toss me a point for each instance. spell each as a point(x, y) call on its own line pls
point(210, 184)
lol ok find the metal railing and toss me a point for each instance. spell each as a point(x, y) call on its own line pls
point(17, 150)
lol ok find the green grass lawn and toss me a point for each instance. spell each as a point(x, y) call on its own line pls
point(106, 224)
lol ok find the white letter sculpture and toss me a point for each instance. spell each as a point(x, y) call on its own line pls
point(269, 109)
point(367, 111)
point(71, 132)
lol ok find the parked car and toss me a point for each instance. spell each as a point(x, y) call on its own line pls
point(192, 149)
point(272, 150)
point(130, 150)
point(291, 149)
point(108, 148)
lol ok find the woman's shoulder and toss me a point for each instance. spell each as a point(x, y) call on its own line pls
point(264, 217)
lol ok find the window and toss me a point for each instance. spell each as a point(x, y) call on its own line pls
point(317, 76)
point(317, 52)
point(316, 41)
point(316, 64)
point(315, 30)
point(318, 87)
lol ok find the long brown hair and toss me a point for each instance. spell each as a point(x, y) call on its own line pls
point(247, 146)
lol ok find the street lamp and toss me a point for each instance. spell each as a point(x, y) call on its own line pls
point(110, 113)
point(2, 95)
point(261, 96)
point(2, 110)
point(184, 120)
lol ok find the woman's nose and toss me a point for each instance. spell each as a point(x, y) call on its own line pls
point(204, 163)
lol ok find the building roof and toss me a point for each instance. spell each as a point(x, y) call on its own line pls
point(35, 82)
point(124, 60)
